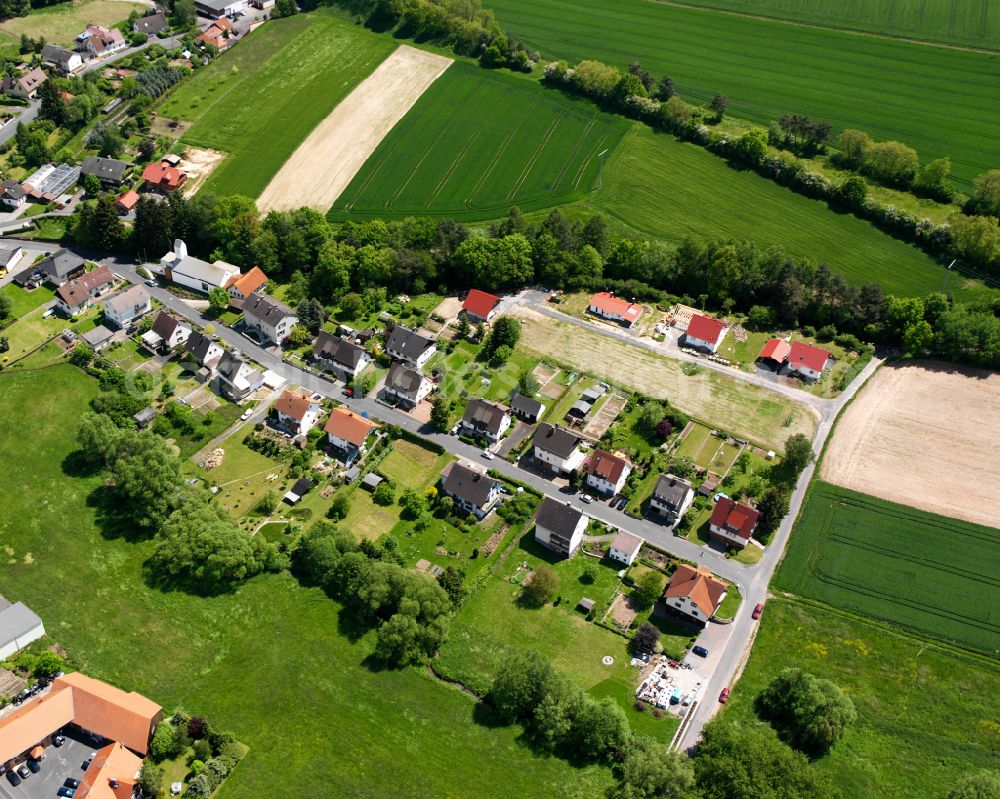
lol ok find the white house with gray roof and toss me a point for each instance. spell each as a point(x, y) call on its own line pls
point(406, 386)
point(19, 626)
point(338, 355)
point(237, 379)
point(404, 344)
point(560, 527)
point(272, 319)
point(194, 273)
point(126, 307)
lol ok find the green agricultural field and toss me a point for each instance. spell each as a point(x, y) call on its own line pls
point(671, 189)
point(926, 714)
point(973, 23)
point(478, 142)
point(267, 661)
point(260, 101)
point(940, 101)
point(895, 563)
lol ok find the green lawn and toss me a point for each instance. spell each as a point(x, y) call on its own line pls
point(410, 465)
point(925, 714)
point(266, 661)
point(259, 101)
point(940, 101)
point(671, 189)
point(973, 23)
point(896, 563)
point(22, 302)
point(33, 330)
point(62, 23)
point(477, 142)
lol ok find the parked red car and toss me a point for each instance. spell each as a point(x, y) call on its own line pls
point(724, 696)
point(758, 610)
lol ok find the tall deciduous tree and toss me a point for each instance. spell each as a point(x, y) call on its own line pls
point(543, 586)
point(147, 474)
point(809, 713)
point(652, 771)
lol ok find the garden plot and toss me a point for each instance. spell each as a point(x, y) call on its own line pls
point(708, 451)
point(942, 412)
point(327, 161)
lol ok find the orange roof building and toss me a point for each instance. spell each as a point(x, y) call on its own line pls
point(126, 717)
point(347, 430)
point(112, 774)
point(163, 176)
point(127, 202)
point(615, 308)
point(775, 350)
point(242, 286)
point(694, 592)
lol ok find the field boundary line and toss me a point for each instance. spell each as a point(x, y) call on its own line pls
point(461, 156)
point(572, 155)
point(581, 170)
point(535, 156)
point(444, 129)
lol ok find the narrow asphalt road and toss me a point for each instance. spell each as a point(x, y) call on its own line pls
point(752, 581)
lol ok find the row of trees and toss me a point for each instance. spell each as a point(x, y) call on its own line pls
point(411, 611)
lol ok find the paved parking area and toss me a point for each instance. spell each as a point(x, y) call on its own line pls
point(58, 764)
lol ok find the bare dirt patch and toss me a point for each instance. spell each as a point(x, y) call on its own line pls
point(722, 402)
point(198, 163)
point(623, 611)
point(605, 417)
point(920, 434)
point(326, 162)
point(166, 126)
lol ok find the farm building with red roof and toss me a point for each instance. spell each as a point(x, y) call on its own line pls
point(704, 332)
point(480, 306)
point(608, 306)
point(775, 350)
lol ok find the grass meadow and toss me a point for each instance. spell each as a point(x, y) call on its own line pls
point(478, 142)
point(926, 714)
point(972, 23)
point(61, 24)
point(269, 661)
point(670, 189)
point(940, 101)
point(899, 564)
point(260, 101)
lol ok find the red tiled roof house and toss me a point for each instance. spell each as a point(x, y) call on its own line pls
point(705, 333)
point(732, 523)
point(348, 432)
point(163, 177)
point(480, 306)
point(806, 360)
point(78, 295)
point(608, 306)
point(297, 412)
point(606, 472)
point(694, 593)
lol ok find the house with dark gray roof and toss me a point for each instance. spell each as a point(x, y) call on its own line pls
point(406, 386)
point(19, 626)
point(237, 379)
point(12, 194)
point(338, 355)
point(271, 318)
point(66, 61)
point(205, 350)
point(484, 420)
point(559, 526)
point(151, 24)
point(110, 171)
point(171, 330)
point(409, 346)
point(472, 491)
point(671, 498)
point(61, 267)
point(526, 409)
point(556, 449)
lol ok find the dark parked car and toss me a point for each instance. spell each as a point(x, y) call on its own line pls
point(700, 651)
point(58, 741)
point(623, 503)
point(67, 792)
point(34, 766)
point(72, 783)
point(13, 779)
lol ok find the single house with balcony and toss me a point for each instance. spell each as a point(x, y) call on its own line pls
point(65, 61)
point(671, 498)
point(171, 330)
point(125, 308)
point(163, 177)
point(205, 351)
point(242, 286)
point(560, 527)
point(78, 295)
point(625, 547)
point(556, 449)
point(694, 593)
point(484, 421)
point(61, 267)
point(408, 346)
point(236, 378)
point(605, 472)
point(406, 386)
point(732, 523)
point(100, 41)
point(705, 333)
point(110, 171)
point(349, 432)
point(272, 319)
point(479, 306)
point(334, 354)
point(472, 491)
point(297, 412)
point(615, 309)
